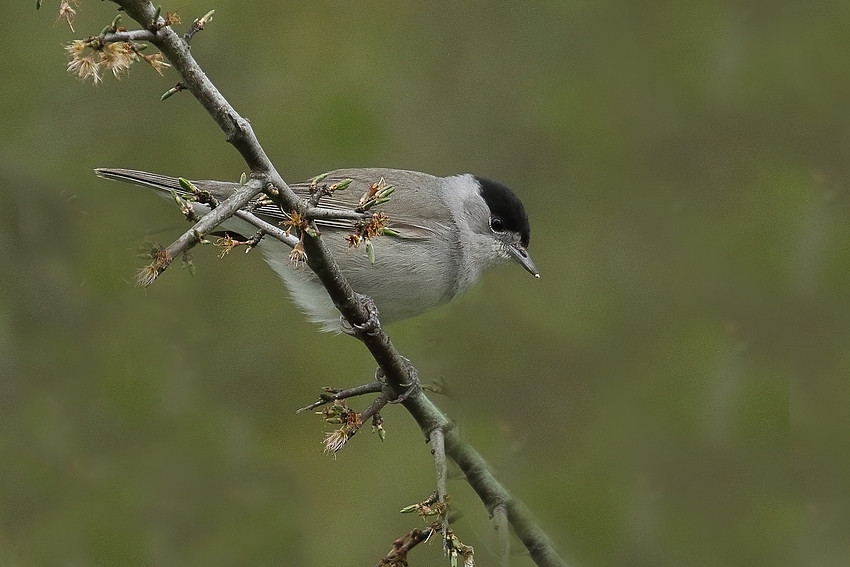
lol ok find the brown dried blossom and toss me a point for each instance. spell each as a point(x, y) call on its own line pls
point(226, 243)
point(161, 259)
point(295, 221)
point(85, 67)
point(67, 13)
point(335, 440)
point(375, 226)
point(117, 57)
point(339, 413)
point(354, 240)
point(298, 256)
point(157, 61)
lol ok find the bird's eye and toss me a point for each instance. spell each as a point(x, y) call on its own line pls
point(497, 224)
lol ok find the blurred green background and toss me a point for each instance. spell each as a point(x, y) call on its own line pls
point(671, 392)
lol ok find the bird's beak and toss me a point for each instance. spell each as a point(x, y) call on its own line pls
point(520, 254)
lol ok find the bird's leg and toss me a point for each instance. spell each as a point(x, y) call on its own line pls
point(411, 386)
point(372, 323)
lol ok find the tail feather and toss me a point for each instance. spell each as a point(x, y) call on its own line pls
point(155, 181)
point(165, 184)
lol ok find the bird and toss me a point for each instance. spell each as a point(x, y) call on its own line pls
point(443, 234)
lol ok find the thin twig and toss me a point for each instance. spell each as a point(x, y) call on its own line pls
point(333, 395)
point(270, 229)
point(376, 406)
point(319, 213)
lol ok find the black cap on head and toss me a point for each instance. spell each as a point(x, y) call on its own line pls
point(507, 206)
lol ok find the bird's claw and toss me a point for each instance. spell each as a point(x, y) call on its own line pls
point(370, 326)
point(411, 386)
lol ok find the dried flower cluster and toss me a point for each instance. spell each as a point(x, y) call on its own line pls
point(364, 230)
point(228, 243)
point(295, 221)
point(171, 19)
point(90, 57)
point(339, 413)
point(377, 194)
point(298, 256)
point(67, 13)
point(160, 260)
point(429, 507)
point(318, 191)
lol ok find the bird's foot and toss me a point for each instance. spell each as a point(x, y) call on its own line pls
point(370, 326)
point(412, 385)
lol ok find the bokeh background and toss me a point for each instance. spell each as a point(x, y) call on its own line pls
point(672, 391)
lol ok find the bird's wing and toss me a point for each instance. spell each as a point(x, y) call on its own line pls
point(349, 199)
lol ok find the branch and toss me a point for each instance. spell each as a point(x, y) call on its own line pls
point(318, 213)
point(268, 228)
point(226, 209)
point(399, 373)
point(135, 35)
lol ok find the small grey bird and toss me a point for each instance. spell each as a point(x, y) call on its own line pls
point(446, 232)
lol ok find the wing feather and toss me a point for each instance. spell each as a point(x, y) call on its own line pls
point(347, 200)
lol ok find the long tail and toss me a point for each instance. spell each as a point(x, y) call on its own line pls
point(155, 181)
